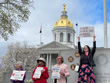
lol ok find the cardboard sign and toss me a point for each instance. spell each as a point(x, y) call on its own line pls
point(37, 73)
point(17, 75)
point(86, 32)
point(55, 72)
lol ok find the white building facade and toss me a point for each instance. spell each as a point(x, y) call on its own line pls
point(63, 30)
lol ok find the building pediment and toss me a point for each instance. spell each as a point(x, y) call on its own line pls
point(54, 46)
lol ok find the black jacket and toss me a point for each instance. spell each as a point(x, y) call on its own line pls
point(90, 56)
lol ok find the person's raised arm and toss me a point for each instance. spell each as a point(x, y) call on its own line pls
point(78, 38)
point(94, 38)
point(94, 45)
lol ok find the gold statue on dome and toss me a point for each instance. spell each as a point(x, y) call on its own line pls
point(64, 6)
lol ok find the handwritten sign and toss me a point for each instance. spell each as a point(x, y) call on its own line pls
point(86, 32)
point(37, 73)
point(55, 72)
point(17, 75)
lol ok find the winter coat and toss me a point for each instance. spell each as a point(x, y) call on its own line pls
point(44, 76)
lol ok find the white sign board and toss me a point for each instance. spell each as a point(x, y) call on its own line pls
point(55, 72)
point(86, 32)
point(17, 75)
point(77, 67)
point(37, 73)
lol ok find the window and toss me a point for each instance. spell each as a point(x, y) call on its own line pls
point(61, 37)
point(61, 21)
point(69, 37)
point(55, 37)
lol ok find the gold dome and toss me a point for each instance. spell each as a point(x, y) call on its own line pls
point(64, 21)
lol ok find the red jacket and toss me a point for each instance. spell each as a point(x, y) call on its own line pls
point(44, 75)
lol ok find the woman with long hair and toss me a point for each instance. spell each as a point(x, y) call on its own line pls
point(86, 71)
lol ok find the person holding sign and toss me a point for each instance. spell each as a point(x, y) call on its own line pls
point(86, 71)
point(64, 71)
point(18, 74)
point(40, 73)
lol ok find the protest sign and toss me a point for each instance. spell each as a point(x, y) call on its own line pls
point(37, 73)
point(55, 72)
point(86, 32)
point(17, 75)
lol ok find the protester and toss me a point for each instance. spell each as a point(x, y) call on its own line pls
point(64, 71)
point(86, 71)
point(19, 68)
point(44, 72)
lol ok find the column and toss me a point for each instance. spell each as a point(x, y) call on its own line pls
point(57, 36)
point(65, 37)
point(47, 61)
point(53, 32)
point(71, 37)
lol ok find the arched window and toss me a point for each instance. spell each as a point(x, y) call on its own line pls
point(61, 21)
point(55, 37)
point(61, 37)
point(69, 37)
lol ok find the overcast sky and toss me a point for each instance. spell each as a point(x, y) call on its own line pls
point(47, 12)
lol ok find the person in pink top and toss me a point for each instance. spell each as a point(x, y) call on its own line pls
point(64, 71)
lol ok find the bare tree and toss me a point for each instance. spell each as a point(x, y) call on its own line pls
point(17, 52)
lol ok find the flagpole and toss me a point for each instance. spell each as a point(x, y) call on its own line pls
point(40, 34)
point(105, 24)
point(76, 34)
point(40, 37)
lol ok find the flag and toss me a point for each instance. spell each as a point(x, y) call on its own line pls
point(40, 29)
point(76, 24)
